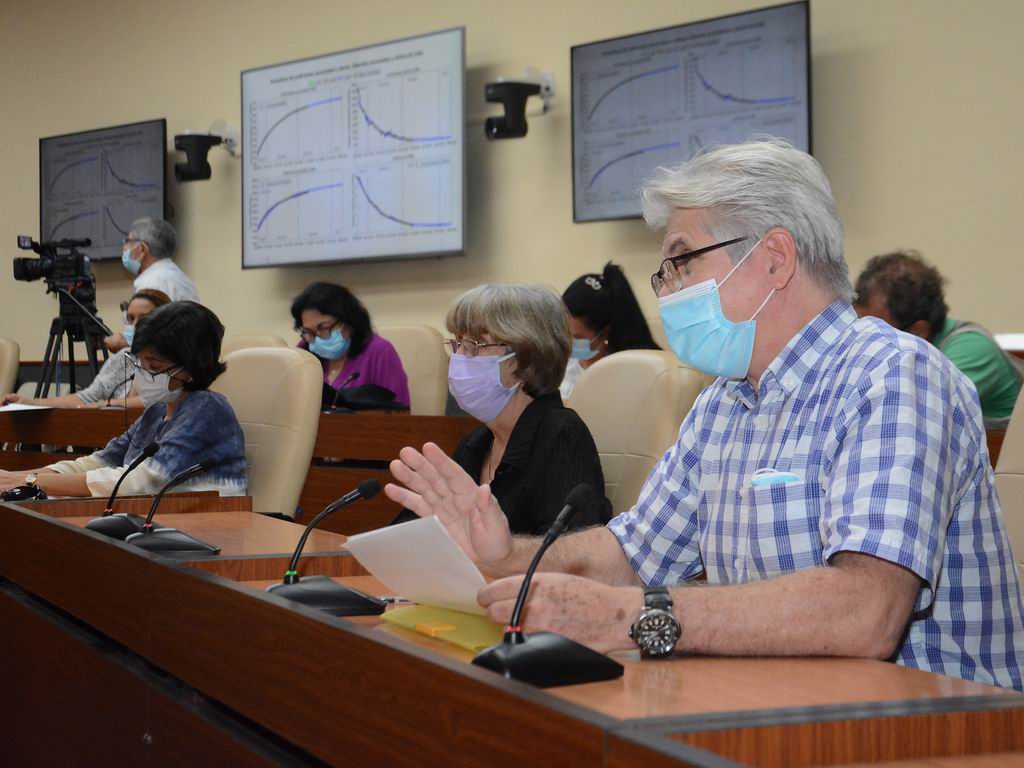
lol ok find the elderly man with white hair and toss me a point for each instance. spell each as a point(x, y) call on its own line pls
point(832, 488)
point(148, 254)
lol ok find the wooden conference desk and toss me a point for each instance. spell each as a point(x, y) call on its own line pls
point(116, 656)
point(350, 447)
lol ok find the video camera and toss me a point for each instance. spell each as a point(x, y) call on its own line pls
point(59, 262)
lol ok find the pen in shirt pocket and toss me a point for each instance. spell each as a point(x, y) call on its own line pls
point(771, 476)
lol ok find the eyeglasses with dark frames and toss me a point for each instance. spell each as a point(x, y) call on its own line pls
point(668, 276)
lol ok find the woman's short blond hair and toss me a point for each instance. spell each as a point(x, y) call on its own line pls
point(531, 319)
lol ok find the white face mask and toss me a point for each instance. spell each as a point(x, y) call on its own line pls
point(158, 390)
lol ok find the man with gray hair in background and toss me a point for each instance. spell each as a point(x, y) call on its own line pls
point(832, 487)
point(148, 254)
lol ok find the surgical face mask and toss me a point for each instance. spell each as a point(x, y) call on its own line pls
point(475, 383)
point(701, 335)
point(130, 264)
point(129, 334)
point(157, 389)
point(581, 350)
point(331, 348)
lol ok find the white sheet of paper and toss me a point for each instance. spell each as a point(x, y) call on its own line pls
point(421, 562)
point(23, 407)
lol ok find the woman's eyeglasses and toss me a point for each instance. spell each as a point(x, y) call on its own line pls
point(468, 347)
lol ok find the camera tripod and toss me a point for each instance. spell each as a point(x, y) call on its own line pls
point(77, 324)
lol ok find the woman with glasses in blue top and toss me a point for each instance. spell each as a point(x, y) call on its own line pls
point(175, 356)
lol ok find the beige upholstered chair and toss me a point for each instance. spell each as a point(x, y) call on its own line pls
point(276, 396)
point(251, 340)
point(657, 331)
point(633, 402)
point(658, 334)
point(1010, 482)
point(10, 354)
point(425, 363)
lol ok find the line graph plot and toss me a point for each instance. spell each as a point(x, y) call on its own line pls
point(289, 198)
point(739, 99)
point(627, 156)
point(112, 222)
point(72, 226)
point(389, 217)
point(297, 211)
point(407, 110)
point(762, 77)
point(391, 134)
point(628, 96)
point(81, 179)
point(403, 197)
point(292, 113)
point(123, 181)
point(627, 81)
point(304, 126)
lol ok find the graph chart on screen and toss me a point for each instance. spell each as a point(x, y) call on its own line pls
point(654, 99)
point(93, 184)
point(355, 155)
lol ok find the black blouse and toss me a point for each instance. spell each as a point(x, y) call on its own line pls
point(549, 452)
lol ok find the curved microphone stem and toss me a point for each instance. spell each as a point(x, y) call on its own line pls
point(578, 497)
point(365, 490)
point(147, 527)
point(514, 631)
point(197, 469)
point(291, 575)
point(148, 451)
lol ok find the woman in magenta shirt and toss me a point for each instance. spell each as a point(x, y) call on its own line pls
point(335, 326)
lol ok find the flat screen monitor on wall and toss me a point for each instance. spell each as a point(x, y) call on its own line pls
point(657, 98)
point(94, 184)
point(355, 155)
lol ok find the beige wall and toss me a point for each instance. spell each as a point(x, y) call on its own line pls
point(918, 111)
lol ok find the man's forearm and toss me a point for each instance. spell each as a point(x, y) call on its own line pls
point(857, 607)
point(593, 553)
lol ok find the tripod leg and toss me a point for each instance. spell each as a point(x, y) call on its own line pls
point(49, 359)
point(71, 361)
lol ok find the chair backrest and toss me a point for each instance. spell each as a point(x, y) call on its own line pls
point(1010, 482)
point(657, 331)
point(276, 397)
point(10, 353)
point(425, 363)
point(633, 403)
point(658, 334)
point(250, 340)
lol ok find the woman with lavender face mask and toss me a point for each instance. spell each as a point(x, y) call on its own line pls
point(507, 355)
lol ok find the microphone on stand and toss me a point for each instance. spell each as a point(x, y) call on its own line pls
point(545, 659)
point(337, 393)
point(121, 526)
point(154, 538)
point(126, 393)
point(322, 592)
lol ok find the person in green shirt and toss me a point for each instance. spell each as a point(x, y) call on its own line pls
point(907, 292)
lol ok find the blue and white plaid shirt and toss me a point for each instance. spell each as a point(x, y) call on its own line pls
point(884, 441)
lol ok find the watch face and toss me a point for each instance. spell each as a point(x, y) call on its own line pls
point(657, 632)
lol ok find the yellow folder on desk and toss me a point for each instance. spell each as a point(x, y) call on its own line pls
point(466, 630)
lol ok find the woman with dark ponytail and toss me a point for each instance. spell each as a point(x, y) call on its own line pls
point(605, 318)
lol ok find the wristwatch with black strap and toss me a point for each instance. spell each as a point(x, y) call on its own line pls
point(656, 631)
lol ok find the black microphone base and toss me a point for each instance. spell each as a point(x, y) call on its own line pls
point(545, 659)
point(119, 526)
point(171, 541)
point(329, 596)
